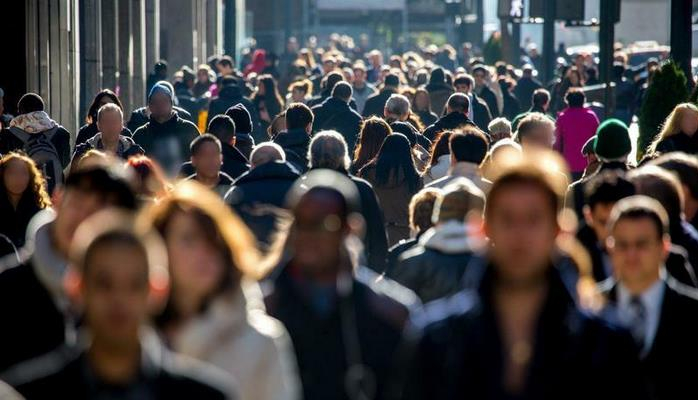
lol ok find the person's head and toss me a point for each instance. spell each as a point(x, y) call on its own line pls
point(118, 276)
point(458, 102)
point(662, 186)
point(536, 131)
point(684, 118)
point(277, 125)
point(300, 90)
point(223, 128)
point(225, 66)
point(422, 101)
point(330, 80)
point(480, 75)
point(685, 167)
point(573, 77)
point(105, 96)
point(150, 181)
point(375, 57)
point(575, 98)
point(501, 152)
point(391, 81)
point(86, 191)
point(20, 178)
point(458, 200)
point(328, 64)
point(521, 219)
point(394, 163)
point(241, 117)
point(500, 128)
point(30, 102)
point(440, 147)
point(160, 102)
point(601, 193)
point(266, 152)
point(463, 83)
point(469, 145)
point(612, 141)
point(359, 70)
point(541, 99)
point(299, 116)
point(421, 210)
point(160, 69)
point(397, 108)
point(110, 121)
point(638, 242)
point(342, 91)
point(209, 248)
point(373, 132)
point(206, 155)
point(203, 74)
point(328, 149)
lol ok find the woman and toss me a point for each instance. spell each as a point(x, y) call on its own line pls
point(213, 312)
point(204, 82)
point(278, 125)
point(299, 92)
point(259, 62)
point(573, 78)
point(422, 107)
point(678, 132)
point(22, 194)
point(90, 128)
point(373, 132)
point(440, 160)
point(267, 100)
point(395, 180)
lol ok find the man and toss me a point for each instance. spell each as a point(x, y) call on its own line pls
point(457, 108)
point(118, 272)
point(110, 121)
point(336, 114)
point(207, 158)
point(526, 86)
point(468, 150)
point(479, 112)
point(258, 196)
point(482, 89)
point(536, 132)
point(327, 85)
point(40, 137)
point(329, 150)
point(296, 138)
point(540, 102)
point(330, 305)
point(328, 65)
point(397, 108)
point(231, 95)
point(141, 116)
point(234, 162)
point(519, 332)
point(434, 268)
point(376, 103)
point(655, 307)
point(158, 74)
point(685, 167)
point(44, 321)
point(166, 136)
point(362, 89)
point(574, 126)
point(397, 113)
point(243, 128)
point(375, 57)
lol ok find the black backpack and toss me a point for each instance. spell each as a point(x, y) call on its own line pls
point(38, 147)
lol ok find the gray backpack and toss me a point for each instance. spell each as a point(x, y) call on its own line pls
point(38, 147)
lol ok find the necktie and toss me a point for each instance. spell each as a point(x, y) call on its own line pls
point(638, 321)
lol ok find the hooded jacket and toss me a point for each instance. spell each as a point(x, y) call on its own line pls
point(229, 96)
point(127, 147)
point(295, 143)
point(168, 142)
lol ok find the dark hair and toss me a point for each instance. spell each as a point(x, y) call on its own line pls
point(94, 107)
point(470, 145)
point(199, 141)
point(391, 80)
point(662, 186)
point(241, 117)
point(682, 165)
point(298, 116)
point(640, 207)
point(406, 129)
point(160, 66)
point(272, 99)
point(30, 102)
point(34, 196)
point(373, 132)
point(226, 61)
point(108, 182)
point(439, 147)
point(540, 97)
point(332, 79)
point(394, 163)
point(342, 91)
point(607, 187)
point(458, 102)
point(575, 97)
point(463, 79)
point(222, 127)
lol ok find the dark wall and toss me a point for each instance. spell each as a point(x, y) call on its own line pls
point(13, 68)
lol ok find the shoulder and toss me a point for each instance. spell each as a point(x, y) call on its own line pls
point(685, 292)
point(392, 301)
point(443, 313)
point(188, 125)
point(190, 377)
point(43, 369)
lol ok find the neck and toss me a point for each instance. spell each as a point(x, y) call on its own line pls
point(209, 181)
point(14, 199)
point(636, 288)
point(187, 304)
point(114, 364)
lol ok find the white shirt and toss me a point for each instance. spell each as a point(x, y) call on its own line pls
point(651, 299)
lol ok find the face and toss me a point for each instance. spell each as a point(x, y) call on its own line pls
point(522, 228)
point(359, 76)
point(479, 78)
point(208, 160)
point(689, 122)
point(16, 177)
point(462, 88)
point(540, 137)
point(115, 292)
point(376, 60)
point(202, 75)
point(110, 124)
point(420, 101)
point(224, 69)
point(597, 218)
point(73, 206)
point(327, 66)
point(318, 233)
point(196, 265)
point(160, 106)
point(637, 251)
point(298, 95)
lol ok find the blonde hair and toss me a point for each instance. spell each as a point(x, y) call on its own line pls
point(500, 125)
point(672, 124)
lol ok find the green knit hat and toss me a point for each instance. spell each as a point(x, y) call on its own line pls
point(612, 140)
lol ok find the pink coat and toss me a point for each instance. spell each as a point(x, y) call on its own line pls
point(575, 125)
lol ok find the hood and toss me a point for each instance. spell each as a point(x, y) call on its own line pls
point(449, 237)
point(270, 170)
point(293, 138)
point(454, 120)
point(33, 122)
point(124, 142)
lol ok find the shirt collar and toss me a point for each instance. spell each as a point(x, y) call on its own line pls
point(651, 298)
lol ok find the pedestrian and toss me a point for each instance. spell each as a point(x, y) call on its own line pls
point(422, 107)
point(243, 128)
point(499, 128)
point(376, 103)
point(685, 167)
point(207, 159)
point(439, 91)
point(678, 131)
point(482, 89)
point(229, 95)
point(141, 116)
point(456, 116)
point(540, 102)
point(267, 101)
point(536, 132)
point(439, 159)
point(90, 128)
point(574, 126)
point(110, 136)
point(296, 138)
point(373, 132)
point(526, 86)
point(478, 111)
point(336, 114)
point(361, 88)
point(468, 149)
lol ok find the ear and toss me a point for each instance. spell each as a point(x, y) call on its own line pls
point(586, 210)
point(159, 284)
point(666, 246)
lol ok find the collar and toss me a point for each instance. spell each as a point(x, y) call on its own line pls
point(466, 169)
point(450, 237)
point(651, 298)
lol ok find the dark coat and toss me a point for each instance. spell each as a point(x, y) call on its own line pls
point(679, 142)
point(167, 143)
point(376, 103)
point(449, 121)
point(338, 115)
point(14, 222)
point(295, 143)
point(574, 198)
point(524, 91)
point(224, 184)
point(396, 251)
point(245, 143)
point(89, 130)
point(684, 235)
point(8, 251)
point(140, 117)
point(574, 356)
point(259, 197)
point(665, 366)
point(228, 97)
point(234, 163)
point(427, 117)
point(375, 240)
point(438, 95)
point(491, 99)
point(379, 313)
point(481, 113)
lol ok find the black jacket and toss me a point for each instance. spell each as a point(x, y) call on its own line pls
point(225, 182)
point(481, 113)
point(427, 117)
point(665, 367)
point(8, 251)
point(14, 222)
point(375, 314)
point(245, 143)
point(375, 240)
point(295, 143)
point(524, 91)
point(575, 355)
point(234, 163)
point(679, 142)
point(89, 130)
point(338, 115)
point(491, 99)
point(395, 251)
point(449, 121)
point(228, 97)
point(684, 235)
point(259, 197)
point(376, 103)
point(139, 117)
point(574, 197)
point(167, 143)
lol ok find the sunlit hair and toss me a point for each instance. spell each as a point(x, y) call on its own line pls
point(439, 147)
point(373, 131)
point(36, 190)
point(672, 124)
point(421, 209)
point(150, 179)
point(95, 106)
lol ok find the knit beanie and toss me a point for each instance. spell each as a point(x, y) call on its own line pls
point(612, 140)
point(241, 117)
point(161, 88)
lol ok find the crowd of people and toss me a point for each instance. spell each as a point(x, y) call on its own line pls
point(432, 227)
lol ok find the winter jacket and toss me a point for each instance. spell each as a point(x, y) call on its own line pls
point(438, 95)
point(575, 125)
point(141, 116)
point(89, 130)
point(376, 103)
point(427, 117)
point(127, 147)
point(449, 121)
point(361, 95)
point(295, 143)
point(234, 163)
point(228, 97)
point(14, 222)
point(336, 114)
point(438, 170)
point(679, 142)
point(524, 91)
point(168, 142)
